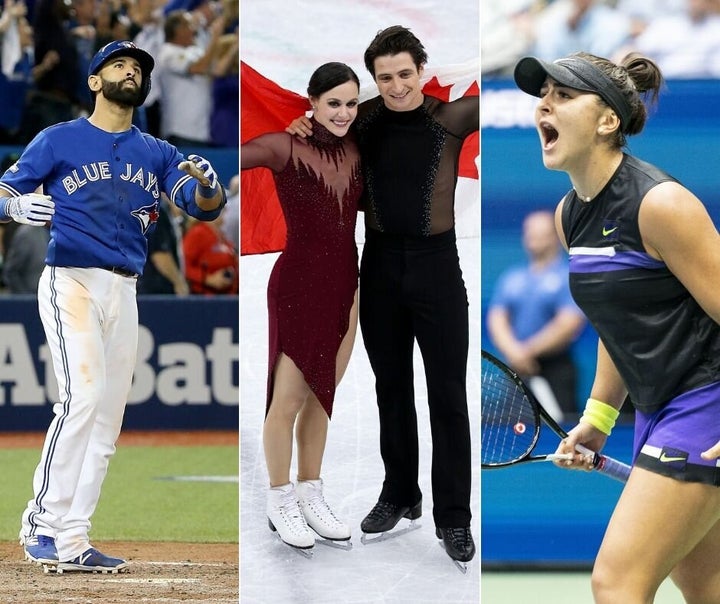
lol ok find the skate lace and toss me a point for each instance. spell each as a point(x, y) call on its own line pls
point(381, 510)
point(321, 508)
point(460, 537)
point(291, 510)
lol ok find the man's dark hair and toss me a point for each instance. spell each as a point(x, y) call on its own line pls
point(392, 41)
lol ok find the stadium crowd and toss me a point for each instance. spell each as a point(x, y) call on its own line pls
point(682, 36)
point(47, 46)
point(45, 50)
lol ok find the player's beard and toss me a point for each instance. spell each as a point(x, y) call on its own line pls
point(123, 95)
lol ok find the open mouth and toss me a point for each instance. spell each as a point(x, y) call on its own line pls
point(548, 134)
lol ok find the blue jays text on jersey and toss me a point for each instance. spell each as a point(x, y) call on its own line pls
point(102, 171)
point(106, 187)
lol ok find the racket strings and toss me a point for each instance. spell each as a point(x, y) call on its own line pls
point(509, 422)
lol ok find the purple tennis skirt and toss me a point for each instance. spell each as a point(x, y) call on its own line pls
point(670, 440)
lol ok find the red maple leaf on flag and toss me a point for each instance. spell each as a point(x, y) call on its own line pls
point(266, 107)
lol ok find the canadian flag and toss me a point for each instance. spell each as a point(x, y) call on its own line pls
point(266, 107)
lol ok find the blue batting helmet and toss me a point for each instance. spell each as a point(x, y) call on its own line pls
point(124, 48)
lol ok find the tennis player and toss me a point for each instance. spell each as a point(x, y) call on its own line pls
point(644, 267)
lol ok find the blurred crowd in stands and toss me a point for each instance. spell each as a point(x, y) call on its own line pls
point(45, 49)
point(682, 36)
point(47, 45)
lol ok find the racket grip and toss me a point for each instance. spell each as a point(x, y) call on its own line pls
point(612, 467)
point(607, 465)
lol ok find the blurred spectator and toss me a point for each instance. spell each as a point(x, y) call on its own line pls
point(568, 26)
point(211, 261)
point(122, 19)
point(188, 5)
point(16, 76)
point(506, 34)
point(56, 82)
point(136, 14)
point(24, 259)
point(164, 269)
point(10, 13)
point(225, 116)
point(7, 229)
point(684, 45)
point(533, 320)
point(81, 26)
point(185, 68)
point(151, 37)
point(231, 214)
point(641, 12)
point(111, 22)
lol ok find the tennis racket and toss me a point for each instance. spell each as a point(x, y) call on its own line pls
point(511, 420)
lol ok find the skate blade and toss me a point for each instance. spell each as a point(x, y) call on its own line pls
point(344, 545)
point(306, 552)
point(461, 566)
point(366, 539)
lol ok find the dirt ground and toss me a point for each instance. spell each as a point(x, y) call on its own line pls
point(158, 572)
point(178, 438)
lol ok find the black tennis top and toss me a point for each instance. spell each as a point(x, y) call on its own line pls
point(661, 341)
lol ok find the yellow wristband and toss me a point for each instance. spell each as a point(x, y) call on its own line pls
point(600, 416)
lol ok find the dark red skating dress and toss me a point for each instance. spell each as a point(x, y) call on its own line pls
point(313, 282)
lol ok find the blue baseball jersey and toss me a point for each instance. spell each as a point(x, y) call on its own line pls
point(106, 187)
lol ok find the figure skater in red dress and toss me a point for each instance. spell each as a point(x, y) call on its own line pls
point(312, 300)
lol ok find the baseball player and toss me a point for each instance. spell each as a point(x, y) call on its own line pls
point(98, 180)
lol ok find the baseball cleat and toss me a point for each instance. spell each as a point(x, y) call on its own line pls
point(40, 549)
point(93, 561)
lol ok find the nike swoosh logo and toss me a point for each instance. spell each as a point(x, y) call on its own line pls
point(606, 232)
point(665, 458)
point(84, 559)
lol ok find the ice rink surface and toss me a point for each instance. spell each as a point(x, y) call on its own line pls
point(286, 42)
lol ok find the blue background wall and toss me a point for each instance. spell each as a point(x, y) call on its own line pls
point(538, 514)
point(186, 374)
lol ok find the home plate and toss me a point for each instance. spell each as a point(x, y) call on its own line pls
point(199, 478)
